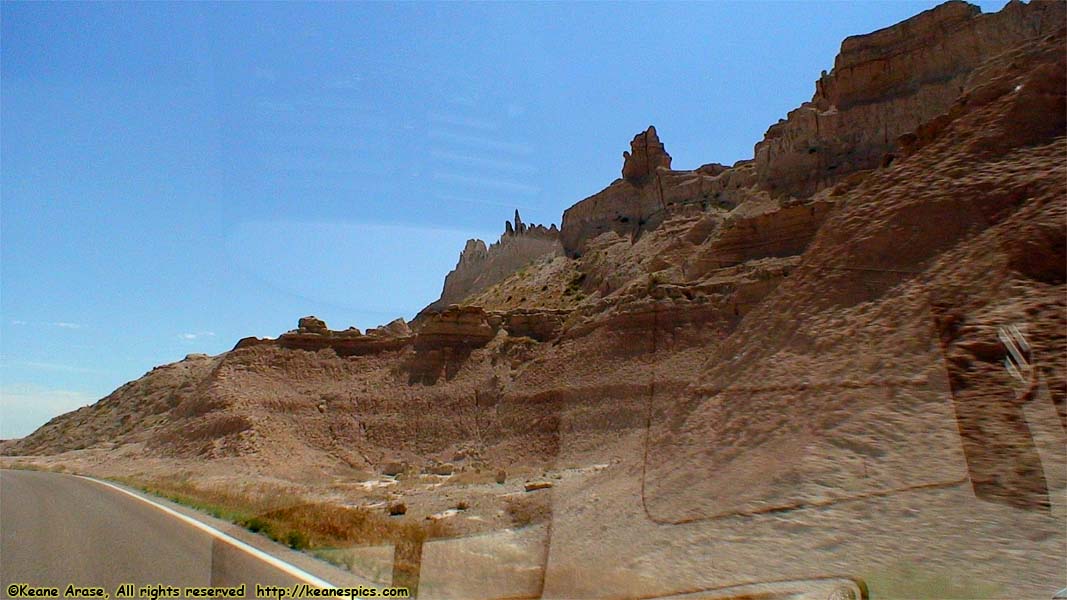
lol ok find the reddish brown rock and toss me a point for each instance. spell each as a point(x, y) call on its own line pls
point(250, 341)
point(312, 325)
point(646, 155)
point(633, 205)
point(395, 328)
point(480, 267)
point(785, 231)
point(537, 324)
point(721, 363)
point(885, 84)
point(455, 326)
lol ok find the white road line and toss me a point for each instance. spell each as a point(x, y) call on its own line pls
point(261, 555)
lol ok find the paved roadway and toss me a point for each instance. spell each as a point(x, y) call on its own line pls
point(58, 529)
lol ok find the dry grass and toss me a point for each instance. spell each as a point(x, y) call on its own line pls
point(292, 520)
point(528, 509)
point(20, 465)
point(477, 477)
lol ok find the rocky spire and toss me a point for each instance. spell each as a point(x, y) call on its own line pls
point(518, 228)
point(646, 155)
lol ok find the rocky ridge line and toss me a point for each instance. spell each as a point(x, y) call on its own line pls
point(480, 267)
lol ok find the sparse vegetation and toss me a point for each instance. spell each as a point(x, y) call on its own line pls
point(20, 465)
point(574, 286)
point(296, 540)
point(257, 525)
point(290, 520)
point(527, 510)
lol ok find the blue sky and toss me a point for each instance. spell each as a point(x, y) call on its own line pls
point(176, 176)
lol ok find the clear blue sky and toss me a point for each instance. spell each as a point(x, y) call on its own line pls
point(176, 176)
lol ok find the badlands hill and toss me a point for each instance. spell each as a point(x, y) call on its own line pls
point(852, 345)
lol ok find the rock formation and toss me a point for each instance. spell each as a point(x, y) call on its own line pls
point(778, 233)
point(395, 328)
point(777, 350)
point(885, 84)
point(311, 324)
point(646, 156)
point(456, 326)
point(480, 267)
point(646, 196)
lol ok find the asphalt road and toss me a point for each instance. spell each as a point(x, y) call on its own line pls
point(57, 530)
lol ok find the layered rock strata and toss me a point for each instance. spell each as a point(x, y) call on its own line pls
point(883, 85)
point(480, 267)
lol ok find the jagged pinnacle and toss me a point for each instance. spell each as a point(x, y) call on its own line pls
point(519, 226)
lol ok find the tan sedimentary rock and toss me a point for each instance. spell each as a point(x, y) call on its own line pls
point(887, 83)
point(480, 267)
point(777, 233)
point(311, 325)
point(633, 205)
point(646, 156)
point(456, 325)
point(883, 85)
point(825, 373)
point(395, 328)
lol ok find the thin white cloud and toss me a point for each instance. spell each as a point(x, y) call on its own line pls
point(465, 122)
point(390, 274)
point(349, 83)
point(47, 366)
point(196, 335)
point(487, 182)
point(24, 407)
point(483, 162)
point(455, 198)
point(59, 324)
point(480, 142)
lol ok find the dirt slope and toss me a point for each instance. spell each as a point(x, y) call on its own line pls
point(861, 378)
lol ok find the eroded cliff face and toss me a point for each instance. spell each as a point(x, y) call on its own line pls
point(885, 84)
point(633, 205)
point(647, 155)
point(717, 353)
point(480, 267)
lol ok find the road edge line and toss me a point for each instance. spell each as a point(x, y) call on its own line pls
point(252, 550)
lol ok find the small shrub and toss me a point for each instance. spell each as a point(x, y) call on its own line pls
point(527, 510)
point(291, 520)
point(296, 540)
point(257, 525)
